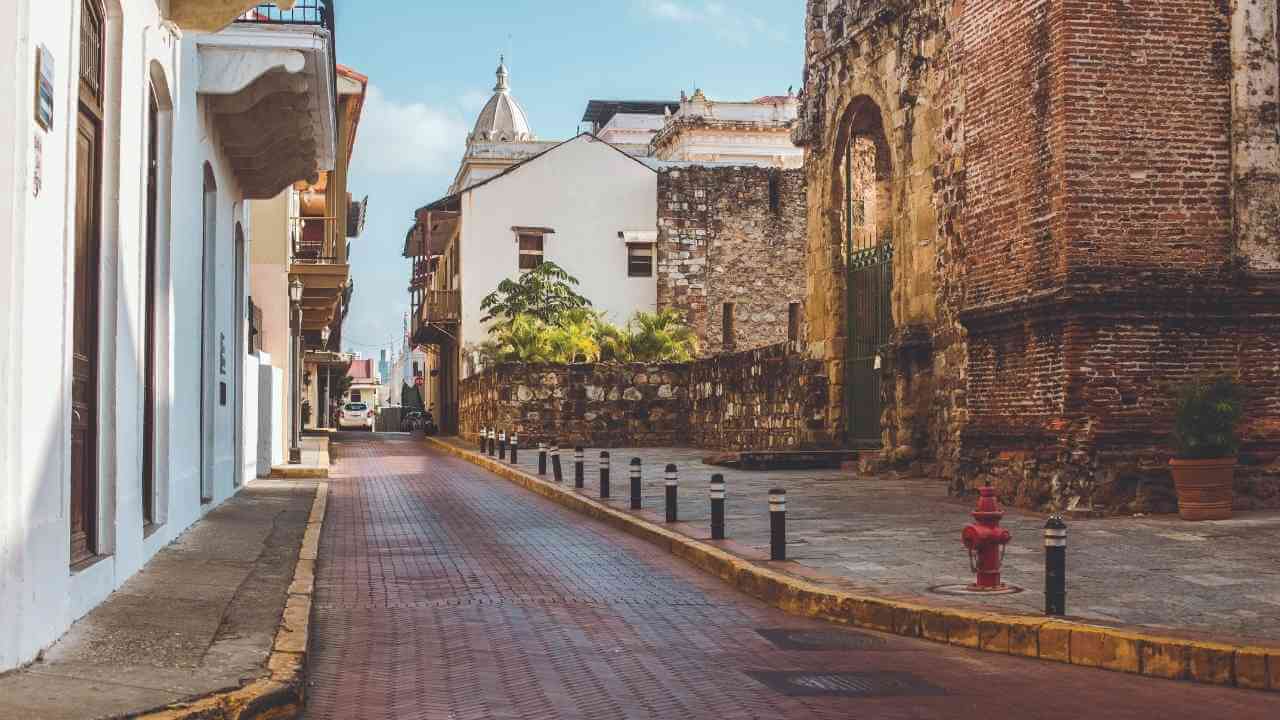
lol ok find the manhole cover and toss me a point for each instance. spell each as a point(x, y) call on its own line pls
point(820, 639)
point(846, 684)
point(971, 592)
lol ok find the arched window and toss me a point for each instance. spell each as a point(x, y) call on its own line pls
point(156, 299)
point(208, 326)
point(863, 197)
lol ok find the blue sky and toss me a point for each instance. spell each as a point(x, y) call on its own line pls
point(430, 67)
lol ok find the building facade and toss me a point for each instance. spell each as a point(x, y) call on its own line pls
point(1028, 220)
point(130, 147)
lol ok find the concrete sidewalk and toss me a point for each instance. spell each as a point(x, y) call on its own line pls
point(903, 538)
point(201, 617)
point(315, 459)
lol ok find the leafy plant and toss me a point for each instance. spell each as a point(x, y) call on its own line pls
point(573, 340)
point(660, 337)
point(1208, 412)
point(544, 293)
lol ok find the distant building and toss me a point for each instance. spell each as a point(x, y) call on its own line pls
point(366, 385)
point(686, 204)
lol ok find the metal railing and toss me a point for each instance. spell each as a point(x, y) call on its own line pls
point(312, 240)
point(304, 12)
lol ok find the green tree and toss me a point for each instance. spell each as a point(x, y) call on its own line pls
point(660, 337)
point(544, 293)
point(573, 339)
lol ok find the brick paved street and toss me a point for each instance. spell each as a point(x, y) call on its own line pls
point(903, 537)
point(445, 592)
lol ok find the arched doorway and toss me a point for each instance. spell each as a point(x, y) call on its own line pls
point(209, 324)
point(863, 198)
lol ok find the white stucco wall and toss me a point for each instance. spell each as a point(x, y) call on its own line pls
point(39, 593)
point(587, 192)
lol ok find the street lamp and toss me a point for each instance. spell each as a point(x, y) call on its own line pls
point(324, 389)
point(295, 310)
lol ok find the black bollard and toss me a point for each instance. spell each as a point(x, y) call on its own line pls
point(635, 484)
point(673, 494)
point(579, 471)
point(502, 445)
point(555, 462)
point(1055, 566)
point(604, 474)
point(515, 446)
point(717, 507)
point(777, 524)
point(493, 442)
point(484, 433)
point(542, 458)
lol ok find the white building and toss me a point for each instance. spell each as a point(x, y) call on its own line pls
point(743, 133)
point(130, 139)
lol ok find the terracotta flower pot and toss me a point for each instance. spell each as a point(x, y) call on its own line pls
point(1204, 487)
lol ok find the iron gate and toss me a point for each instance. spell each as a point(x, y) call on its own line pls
point(868, 286)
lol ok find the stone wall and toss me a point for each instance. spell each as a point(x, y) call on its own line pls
point(1080, 201)
point(731, 235)
point(769, 398)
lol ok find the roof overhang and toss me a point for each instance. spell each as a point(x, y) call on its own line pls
point(431, 234)
point(600, 112)
point(270, 92)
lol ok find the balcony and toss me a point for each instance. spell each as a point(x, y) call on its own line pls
point(436, 315)
point(318, 259)
point(269, 82)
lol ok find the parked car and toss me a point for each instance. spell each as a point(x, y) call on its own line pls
point(356, 415)
point(419, 420)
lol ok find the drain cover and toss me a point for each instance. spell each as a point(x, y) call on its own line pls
point(850, 684)
point(820, 639)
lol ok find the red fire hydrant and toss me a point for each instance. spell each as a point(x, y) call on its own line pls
point(986, 540)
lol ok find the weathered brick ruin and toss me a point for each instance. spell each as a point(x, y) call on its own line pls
point(732, 235)
point(1078, 204)
point(768, 398)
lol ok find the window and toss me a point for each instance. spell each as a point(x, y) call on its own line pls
point(793, 321)
point(639, 260)
point(530, 251)
point(355, 396)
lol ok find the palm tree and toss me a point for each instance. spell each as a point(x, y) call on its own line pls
point(660, 337)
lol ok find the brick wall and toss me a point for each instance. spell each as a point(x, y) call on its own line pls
point(1081, 219)
point(731, 235)
point(768, 398)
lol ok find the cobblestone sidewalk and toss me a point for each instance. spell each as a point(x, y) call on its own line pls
point(903, 537)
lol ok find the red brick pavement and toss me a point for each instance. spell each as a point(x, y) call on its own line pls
point(446, 593)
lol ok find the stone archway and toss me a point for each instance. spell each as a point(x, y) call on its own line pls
point(861, 210)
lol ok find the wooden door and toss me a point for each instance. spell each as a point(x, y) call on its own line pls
point(150, 319)
point(86, 269)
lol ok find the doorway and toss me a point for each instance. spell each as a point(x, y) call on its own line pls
point(241, 342)
point(86, 319)
point(208, 325)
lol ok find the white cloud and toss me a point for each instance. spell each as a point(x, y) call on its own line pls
point(407, 138)
point(730, 24)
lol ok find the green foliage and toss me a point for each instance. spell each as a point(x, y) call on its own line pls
point(545, 293)
point(582, 336)
point(1209, 410)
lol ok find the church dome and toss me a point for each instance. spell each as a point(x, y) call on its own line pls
point(502, 118)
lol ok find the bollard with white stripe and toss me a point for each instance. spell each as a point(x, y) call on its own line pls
point(555, 462)
point(484, 438)
point(1055, 566)
point(515, 447)
point(635, 483)
point(502, 445)
point(493, 443)
point(604, 474)
point(542, 458)
point(579, 469)
point(717, 507)
point(488, 443)
point(672, 481)
point(777, 524)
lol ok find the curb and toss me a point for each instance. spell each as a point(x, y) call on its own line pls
point(281, 694)
point(1199, 659)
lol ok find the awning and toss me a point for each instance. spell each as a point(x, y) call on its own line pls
point(638, 237)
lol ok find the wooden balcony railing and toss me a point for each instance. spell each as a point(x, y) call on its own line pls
point(313, 240)
point(441, 306)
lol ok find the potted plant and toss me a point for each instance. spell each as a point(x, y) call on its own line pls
point(1208, 412)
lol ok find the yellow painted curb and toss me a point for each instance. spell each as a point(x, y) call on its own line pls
point(1128, 650)
point(280, 695)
